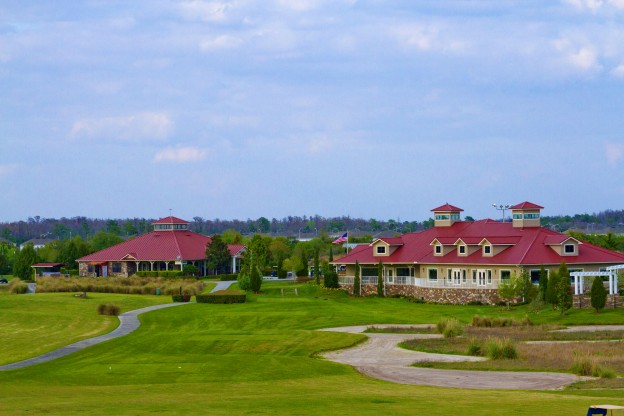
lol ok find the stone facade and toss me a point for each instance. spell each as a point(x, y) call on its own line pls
point(584, 301)
point(438, 295)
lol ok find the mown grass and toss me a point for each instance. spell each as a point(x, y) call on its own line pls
point(31, 325)
point(258, 357)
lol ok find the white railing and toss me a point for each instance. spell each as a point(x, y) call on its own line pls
point(422, 282)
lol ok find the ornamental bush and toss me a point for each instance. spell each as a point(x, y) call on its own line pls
point(222, 297)
point(109, 309)
point(598, 294)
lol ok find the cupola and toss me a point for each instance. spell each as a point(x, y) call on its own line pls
point(446, 215)
point(526, 214)
point(170, 224)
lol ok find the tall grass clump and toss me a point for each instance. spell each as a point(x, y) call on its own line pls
point(487, 322)
point(449, 327)
point(134, 285)
point(17, 286)
point(586, 365)
point(474, 347)
point(109, 309)
point(500, 349)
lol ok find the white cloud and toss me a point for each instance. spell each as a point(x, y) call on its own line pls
point(618, 71)
point(137, 127)
point(583, 57)
point(592, 5)
point(210, 11)
point(614, 153)
point(428, 37)
point(220, 42)
point(180, 155)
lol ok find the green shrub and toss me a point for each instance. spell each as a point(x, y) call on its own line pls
point(226, 277)
point(486, 322)
point(449, 327)
point(500, 349)
point(598, 294)
point(223, 297)
point(181, 298)
point(586, 365)
point(108, 309)
point(243, 282)
point(474, 347)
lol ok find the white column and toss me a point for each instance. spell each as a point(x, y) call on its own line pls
point(611, 278)
point(233, 264)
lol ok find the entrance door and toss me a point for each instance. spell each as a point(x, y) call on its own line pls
point(456, 273)
point(104, 271)
point(481, 276)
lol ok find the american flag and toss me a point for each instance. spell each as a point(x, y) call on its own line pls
point(340, 239)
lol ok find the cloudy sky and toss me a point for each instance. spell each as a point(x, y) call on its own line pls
point(368, 108)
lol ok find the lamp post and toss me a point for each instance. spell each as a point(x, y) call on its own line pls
point(501, 207)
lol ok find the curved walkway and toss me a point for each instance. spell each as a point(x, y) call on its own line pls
point(128, 322)
point(381, 358)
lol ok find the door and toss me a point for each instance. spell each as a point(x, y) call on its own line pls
point(457, 275)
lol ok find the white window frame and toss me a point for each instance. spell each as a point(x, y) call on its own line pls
point(487, 250)
point(565, 249)
point(381, 249)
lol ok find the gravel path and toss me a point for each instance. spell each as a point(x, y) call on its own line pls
point(381, 358)
point(128, 322)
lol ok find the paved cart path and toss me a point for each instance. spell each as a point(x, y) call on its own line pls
point(128, 322)
point(380, 357)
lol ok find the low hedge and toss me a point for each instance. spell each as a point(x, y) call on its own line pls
point(223, 296)
point(181, 298)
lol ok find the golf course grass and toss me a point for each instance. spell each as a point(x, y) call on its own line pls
point(254, 358)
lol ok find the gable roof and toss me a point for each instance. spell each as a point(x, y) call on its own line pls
point(526, 246)
point(170, 245)
point(170, 220)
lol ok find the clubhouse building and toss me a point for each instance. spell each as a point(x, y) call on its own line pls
point(170, 246)
point(464, 261)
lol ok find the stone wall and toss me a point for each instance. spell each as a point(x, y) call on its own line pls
point(584, 301)
point(430, 294)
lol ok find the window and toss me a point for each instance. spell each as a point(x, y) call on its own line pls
point(569, 248)
point(517, 216)
point(449, 274)
point(433, 274)
point(487, 249)
point(462, 249)
point(438, 249)
point(464, 272)
point(505, 275)
point(474, 276)
point(531, 216)
point(381, 249)
point(489, 277)
point(90, 268)
point(535, 276)
point(442, 217)
point(455, 217)
point(402, 274)
point(116, 267)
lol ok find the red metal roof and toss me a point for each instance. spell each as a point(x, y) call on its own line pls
point(526, 246)
point(446, 208)
point(391, 241)
point(526, 205)
point(44, 265)
point(170, 245)
point(170, 220)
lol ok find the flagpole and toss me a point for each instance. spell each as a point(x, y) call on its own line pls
point(347, 241)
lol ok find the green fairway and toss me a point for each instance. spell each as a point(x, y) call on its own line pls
point(35, 324)
point(259, 357)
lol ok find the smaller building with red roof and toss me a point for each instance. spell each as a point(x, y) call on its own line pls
point(461, 261)
point(170, 246)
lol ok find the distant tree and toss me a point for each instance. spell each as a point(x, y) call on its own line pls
point(543, 283)
point(6, 254)
point(255, 279)
point(331, 254)
point(112, 227)
point(129, 228)
point(102, 240)
point(510, 289)
point(330, 277)
point(469, 218)
point(317, 268)
point(357, 288)
point(303, 261)
point(598, 294)
point(279, 250)
point(264, 225)
point(551, 289)
point(218, 255)
point(190, 270)
point(61, 231)
point(70, 250)
point(526, 289)
point(563, 289)
point(24, 258)
point(380, 282)
point(231, 236)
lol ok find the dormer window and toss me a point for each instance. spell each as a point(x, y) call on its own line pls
point(438, 249)
point(462, 249)
point(487, 250)
point(569, 249)
point(381, 249)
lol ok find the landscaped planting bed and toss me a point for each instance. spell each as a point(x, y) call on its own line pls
point(134, 285)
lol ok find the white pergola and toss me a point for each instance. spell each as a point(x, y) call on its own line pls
point(611, 272)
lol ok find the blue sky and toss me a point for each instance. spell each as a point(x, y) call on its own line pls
point(373, 109)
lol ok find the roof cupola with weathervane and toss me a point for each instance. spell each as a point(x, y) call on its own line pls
point(170, 223)
point(526, 214)
point(446, 215)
